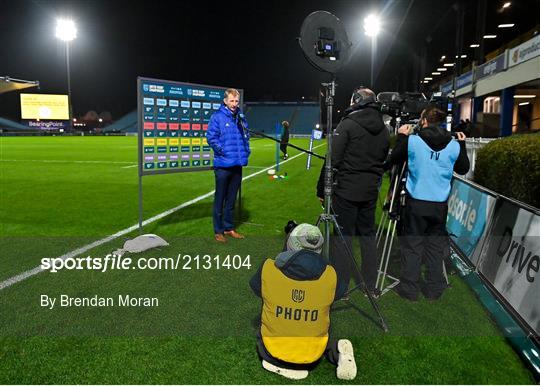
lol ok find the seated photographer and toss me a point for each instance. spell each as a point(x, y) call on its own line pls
point(432, 155)
point(297, 291)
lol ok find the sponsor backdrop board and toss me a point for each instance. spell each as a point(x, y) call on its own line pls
point(173, 119)
point(469, 209)
point(510, 259)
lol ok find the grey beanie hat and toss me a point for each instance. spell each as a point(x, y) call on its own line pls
point(305, 236)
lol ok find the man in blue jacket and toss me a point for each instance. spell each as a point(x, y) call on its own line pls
point(228, 136)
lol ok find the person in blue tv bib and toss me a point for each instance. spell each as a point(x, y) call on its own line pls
point(432, 157)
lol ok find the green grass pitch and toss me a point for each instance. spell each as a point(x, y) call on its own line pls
point(60, 193)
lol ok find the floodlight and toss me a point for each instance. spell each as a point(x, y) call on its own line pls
point(372, 25)
point(66, 30)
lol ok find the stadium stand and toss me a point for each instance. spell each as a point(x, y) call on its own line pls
point(263, 116)
point(8, 125)
point(126, 124)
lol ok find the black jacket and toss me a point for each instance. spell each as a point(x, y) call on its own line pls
point(299, 265)
point(359, 148)
point(436, 138)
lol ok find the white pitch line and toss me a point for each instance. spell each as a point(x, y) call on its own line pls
point(129, 166)
point(34, 271)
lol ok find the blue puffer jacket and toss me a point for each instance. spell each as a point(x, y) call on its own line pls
point(228, 139)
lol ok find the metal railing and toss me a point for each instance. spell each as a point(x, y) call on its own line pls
point(473, 145)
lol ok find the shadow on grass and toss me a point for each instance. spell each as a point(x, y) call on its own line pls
point(241, 214)
point(348, 305)
point(192, 212)
point(202, 210)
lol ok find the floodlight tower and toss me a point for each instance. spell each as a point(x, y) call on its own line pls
point(66, 31)
point(372, 27)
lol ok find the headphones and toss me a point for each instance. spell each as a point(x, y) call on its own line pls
point(358, 98)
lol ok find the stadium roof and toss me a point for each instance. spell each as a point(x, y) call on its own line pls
point(6, 124)
point(11, 84)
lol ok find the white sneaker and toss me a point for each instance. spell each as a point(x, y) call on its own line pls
point(346, 368)
point(287, 373)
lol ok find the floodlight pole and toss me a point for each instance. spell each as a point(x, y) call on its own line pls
point(69, 87)
point(373, 50)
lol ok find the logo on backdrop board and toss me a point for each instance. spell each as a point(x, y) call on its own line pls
point(153, 88)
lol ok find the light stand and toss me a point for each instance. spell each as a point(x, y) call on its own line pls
point(326, 47)
point(329, 216)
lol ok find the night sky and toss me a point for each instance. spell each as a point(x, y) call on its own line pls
point(248, 45)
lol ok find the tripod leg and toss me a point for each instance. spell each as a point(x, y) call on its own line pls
point(380, 264)
point(445, 274)
point(387, 257)
point(380, 227)
point(385, 247)
point(362, 283)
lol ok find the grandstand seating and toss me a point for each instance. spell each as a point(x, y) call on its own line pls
point(263, 116)
point(126, 124)
point(8, 125)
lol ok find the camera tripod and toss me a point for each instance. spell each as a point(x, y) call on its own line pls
point(392, 209)
point(389, 219)
point(329, 216)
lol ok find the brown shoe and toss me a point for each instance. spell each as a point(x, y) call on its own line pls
point(234, 234)
point(220, 238)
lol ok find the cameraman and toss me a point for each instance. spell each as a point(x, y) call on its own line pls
point(360, 147)
point(432, 156)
